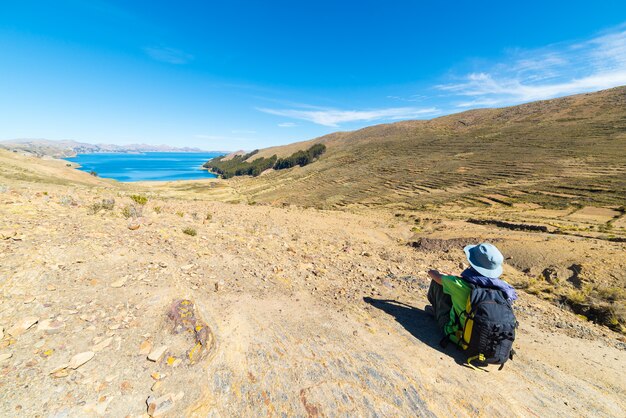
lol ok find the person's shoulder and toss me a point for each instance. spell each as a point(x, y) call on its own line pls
point(457, 280)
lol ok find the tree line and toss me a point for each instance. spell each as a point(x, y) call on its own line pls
point(238, 166)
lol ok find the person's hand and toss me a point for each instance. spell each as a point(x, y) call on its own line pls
point(434, 274)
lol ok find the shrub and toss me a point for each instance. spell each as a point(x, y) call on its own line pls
point(157, 209)
point(67, 200)
point(131, 211)
point(105, 204)
point(139, 199)
point(93, 173)
point(190, 231)
point(181, 214)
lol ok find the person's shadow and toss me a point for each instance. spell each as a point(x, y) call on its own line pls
point(420, 324)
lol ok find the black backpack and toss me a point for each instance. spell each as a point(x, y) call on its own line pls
point(489, 329)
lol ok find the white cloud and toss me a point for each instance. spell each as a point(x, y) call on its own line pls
point(557, 70)
point(334, 117)
point(168, 55)
point(287, 125)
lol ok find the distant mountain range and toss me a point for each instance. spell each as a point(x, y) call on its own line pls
point(62, 149)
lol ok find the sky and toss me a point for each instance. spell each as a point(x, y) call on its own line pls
point(236, 74)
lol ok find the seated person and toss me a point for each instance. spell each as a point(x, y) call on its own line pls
point(448, 294)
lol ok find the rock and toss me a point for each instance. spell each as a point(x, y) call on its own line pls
point(100, 406)
point(6, 234)
point(103, 344)
point(157, 353)
point(1, 333)
point(159, 406)
point(29, 299)
point(51, 287)
point(50, 326)
point(145, 347)
point(22, 325)
point(5, 356)
point(119, 283)
point(156, 386)
point(133, 225)
point(80, 359)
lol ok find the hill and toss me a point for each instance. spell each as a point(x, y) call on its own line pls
point(534, 160)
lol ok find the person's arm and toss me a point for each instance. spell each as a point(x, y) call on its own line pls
point(435, 275)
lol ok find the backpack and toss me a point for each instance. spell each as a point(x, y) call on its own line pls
point(489, 329)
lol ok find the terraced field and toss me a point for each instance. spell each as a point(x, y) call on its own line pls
point(541, 161)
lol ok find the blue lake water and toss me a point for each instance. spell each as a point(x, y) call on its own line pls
point(149, 166)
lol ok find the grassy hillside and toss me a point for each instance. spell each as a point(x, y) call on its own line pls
point(557, 155)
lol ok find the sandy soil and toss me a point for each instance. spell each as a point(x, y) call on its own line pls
point(310, 312)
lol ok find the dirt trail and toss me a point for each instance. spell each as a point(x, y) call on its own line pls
point(312, 313)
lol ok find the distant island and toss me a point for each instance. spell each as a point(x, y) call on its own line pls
point(68, 148)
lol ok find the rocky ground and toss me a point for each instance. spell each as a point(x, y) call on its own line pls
point(183, 306)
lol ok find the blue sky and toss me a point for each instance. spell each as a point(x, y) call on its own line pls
point(242, 74)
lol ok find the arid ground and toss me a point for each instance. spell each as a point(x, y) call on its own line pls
point(129, 299)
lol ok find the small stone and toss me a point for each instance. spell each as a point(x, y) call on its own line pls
point(145, 347)
point(187, 267)
point(125, 386)
point(157, 353)
point(1, 333)
point(51, 287)
point(60, 373)
point(177, 362)
point(156, 386)
point(134, 225)
point(50, 326)
point(21, 326)
point(157, 376)
point(110, 378)
point(100, 406)
point(159, 406)
point(103, 344)
point(29, 299)
point(5, 356)
point(119, 283)
point(80, 359)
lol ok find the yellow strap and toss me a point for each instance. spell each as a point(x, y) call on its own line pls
point(479, 357)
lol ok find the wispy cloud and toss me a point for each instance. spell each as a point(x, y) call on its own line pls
point(286, 125)
point(335, 117)
point(411, 98)
point(168, 55)
point(554, 71)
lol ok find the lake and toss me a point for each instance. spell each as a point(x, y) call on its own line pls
point(149, 166)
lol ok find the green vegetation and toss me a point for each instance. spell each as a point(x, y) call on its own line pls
point(190, 231)
point(93, 173)
point(139, 199)
point(105, 204)
point(239, 166)
point(131, 211)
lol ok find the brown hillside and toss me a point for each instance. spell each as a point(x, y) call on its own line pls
point(555, 154)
